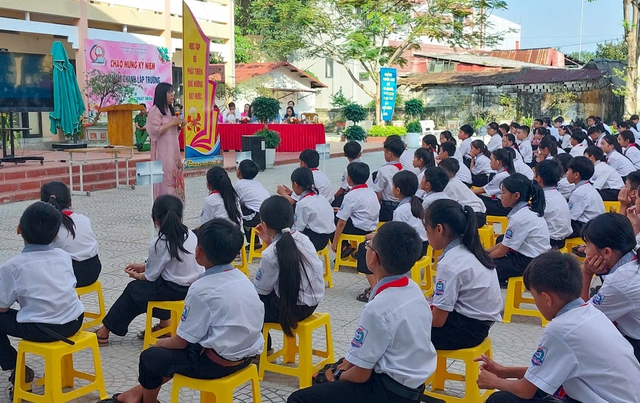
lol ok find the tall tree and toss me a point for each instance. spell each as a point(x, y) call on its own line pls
point(612, 50)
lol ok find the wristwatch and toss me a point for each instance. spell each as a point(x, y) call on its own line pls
point(336, 375)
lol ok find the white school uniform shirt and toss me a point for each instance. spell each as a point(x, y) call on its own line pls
point(566, 141)
point(393, 336)
point(323, 184)
point(458, 191)
point(633, 154)
point(527, 233)
point(585, 202)
point(464, 285)
point(465, 146)
point(620, 163)
point(223, 312)
point(526, 151)
point(402, 213)
point(565, 188)
point(430, 197)
point(522, 168)
point(576, 352)
point(84, 246)
point(557, 214)
point(619, 296)
point(406, 159)
point(214, 208)
point(383, 183)
point(311, 284)
point(578, 151)
point(493, 188)
point(458, 155)
point(314, 212)
point(231, 117)
point(605, 177)
point(554, 132)
point(635, 132)
point(464, 174)
point(160, 264)
point(251, 194)
point(495, 142)
point(482, 165)
point(343, 182)
point(421, 193)
point(598, 141)
point(362, 206)
point(41, 280)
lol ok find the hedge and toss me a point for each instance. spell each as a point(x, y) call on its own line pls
point(386, 131)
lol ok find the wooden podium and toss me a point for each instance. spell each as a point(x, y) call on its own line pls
point(120, 123)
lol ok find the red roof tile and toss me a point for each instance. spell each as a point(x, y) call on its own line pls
point(246, 71)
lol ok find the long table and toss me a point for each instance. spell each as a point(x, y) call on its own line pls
point(293, 137)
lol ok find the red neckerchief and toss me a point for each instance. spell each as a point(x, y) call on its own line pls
point(628, 147)
point(67, 212)
point(214, 192)
point(308, 194)
point(397, 165)
point(314, 169)
point(401, 282)
point(362, 186)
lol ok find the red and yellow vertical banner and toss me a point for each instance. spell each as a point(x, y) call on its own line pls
point(202, 144)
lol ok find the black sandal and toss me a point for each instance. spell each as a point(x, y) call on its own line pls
point(29, 375)
point(579, 251)
point(364, 297)
point(346, 252)
point(102, 341)
point(112, 399)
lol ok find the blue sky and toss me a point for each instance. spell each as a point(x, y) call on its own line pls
point(556, 23)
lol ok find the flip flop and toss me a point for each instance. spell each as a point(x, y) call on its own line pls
point(347, 251)
point(102, 341)
point(579, 250)
point(112, 399)
point(155, 328)
point(364, 297)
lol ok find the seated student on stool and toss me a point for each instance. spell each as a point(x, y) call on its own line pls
point(423, 159)
point(75, 236)
point(605, 179)
point(311, 159)
point(578, 339)
point(519, 166)
point(547, 149)
point(313, 213)
point(41, 280)
point(290, 278)
point(612, 252)
point(456, 190)
point(430, 142)
point(405, 185)
point(464, 135)
point(524, 144)
point(391, 355)
point(481, 172)
point(382, 184)
point(564, 187)
point(223, 201)
point(556, 210)
point(585, 202)
point(502, 163)
point(353, 152)
point(467, 299)
point(527, 234)
point(358, 214)
point(447, 150)
point(166, 275)
point(433, 183)
point(210, 344)
point(627, 141)
point(251, 194)
point(614, 157)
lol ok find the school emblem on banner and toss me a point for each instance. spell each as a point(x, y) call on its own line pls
point(538, 356)
point(358, 338)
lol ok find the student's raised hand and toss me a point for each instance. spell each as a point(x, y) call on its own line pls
point(487, 379)
point(594, 264)
point(134, 274)
point(623, 197)
point(632, 215)
point(137, 267)
point(282, 190)
point(369, 236)
point(262, 234)
point(488, 365)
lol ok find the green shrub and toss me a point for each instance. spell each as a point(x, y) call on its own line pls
point(271, 138)
point(355, 133)
point(386, 131)
point(414, 127)
point(265, 109)
point(414, 108)
point(354, 112)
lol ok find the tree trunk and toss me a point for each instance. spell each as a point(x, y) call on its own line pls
point(378, 103)
point(631, 38)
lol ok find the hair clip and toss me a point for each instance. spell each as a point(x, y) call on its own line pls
point(286, 229)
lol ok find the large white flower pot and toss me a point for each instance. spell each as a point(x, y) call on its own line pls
point(270, 156)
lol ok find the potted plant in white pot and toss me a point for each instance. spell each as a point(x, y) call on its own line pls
point(266, 109)
point(354, 113)
point(413, 108)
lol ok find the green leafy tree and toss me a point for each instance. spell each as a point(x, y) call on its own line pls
point(108, 89)
point(244, 48)
point(583, 56)
point(612, 50)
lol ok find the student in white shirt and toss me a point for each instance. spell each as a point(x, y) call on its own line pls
point(210, 343)
point(556, 210)
point(466, 301)
point(509, 141)
point(519, 165)
point(524, 144)
point(578, 339)
point(382, 184)
point(430, 142)
point(446, 136)
point(170, 269)
point(460, 192)
point(464, 134)
point(391, 355)
point(527, 234)
point(352, 151)
point(547, 149)
point(564, 187)
point(627, 141)
point(290, 278)
point(502, 163)
point(433, 183)
point(611, 254)
point(481, 171)
point(552, 130)
point(615, 159)
point(565, 133)
point(605, 179)
point(406, 160)
point(311, 159)
point(223, 201)
point(313, 213)
point(41, 281)
point(493, 130)
point(629, 193)
point(422, 159)
point(596, 134)
point(447, 149)
point(75, 235)
point(585, 202)
point(579, 142)
point(251, 194)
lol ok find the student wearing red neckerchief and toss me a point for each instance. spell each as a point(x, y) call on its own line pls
point(382, 183)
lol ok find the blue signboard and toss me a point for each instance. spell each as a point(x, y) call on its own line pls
point(388, 87)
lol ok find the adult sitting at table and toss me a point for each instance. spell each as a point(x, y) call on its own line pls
point(246, 112)
point(289, 114)
point(231, 116)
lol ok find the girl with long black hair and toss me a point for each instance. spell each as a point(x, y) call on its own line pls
point(614, 157)
point(502, 163)
point(481, 171)
point(631, 149)
point(223, 201)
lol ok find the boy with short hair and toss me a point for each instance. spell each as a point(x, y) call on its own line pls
point(574, 347)
point(383, 182)
point(458, 191)
point(41, 281)
point(433, 183)
point(605, 178)
point(353, 152)
point(464, 134)
point(585, 203)
point(556, 211)
point(391, 355)
point(251, 194)
point(524, 144)
point(448, 150)
point(311, 159)
point(629, 193)
point(210, 344)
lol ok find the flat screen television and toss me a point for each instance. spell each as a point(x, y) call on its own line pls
point(26, 82)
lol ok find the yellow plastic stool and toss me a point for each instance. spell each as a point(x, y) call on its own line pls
point(59, 372)
point(515, 288)
point(495, 219)
point(612, 207)
point(487, 238)
point(432, 258)
point(570, 243)
point(253, 252)
point(324, 255)
point(218, 390)
point(96, 317)
point(151, 337)
point(304, 349)
point(472, 393)
point(354, 240)
point(244, 265)
point(421, 274)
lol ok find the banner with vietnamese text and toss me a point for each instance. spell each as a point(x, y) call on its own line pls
point(388, 87)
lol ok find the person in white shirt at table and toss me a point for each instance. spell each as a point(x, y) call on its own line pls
point(614, 157)
point(456, 190)
point(481, 172)
point(631, 149)
point(605, 179)
point(556, 210)
point(232, 115)
point(447, 150)
point(493, 130)
point(250, 193)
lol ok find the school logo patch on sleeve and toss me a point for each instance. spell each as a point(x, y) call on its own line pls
point(359, 337)
point(259, 274)
point(509, 233)
point(185, 313)
point(295, 217)
point(440, 284)
point(598, 299)
point(570, 205)
point(538, 356)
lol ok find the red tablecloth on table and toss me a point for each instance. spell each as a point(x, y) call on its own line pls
point(293, 137)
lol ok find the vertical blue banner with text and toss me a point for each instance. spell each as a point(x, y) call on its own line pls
point(388, 88)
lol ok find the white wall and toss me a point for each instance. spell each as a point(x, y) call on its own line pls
point(500, 24)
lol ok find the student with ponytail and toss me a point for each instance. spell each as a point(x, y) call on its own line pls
point(75, 235)
point(166, 275)
point(313, 213)
point(614, 157)
point(467, 299)
point(547, 149)
point(223, 201)
point(631, 150)
point(502, 163)
point(290, 278)
point(527, 234)
point(481, 172)
point(423, 158)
